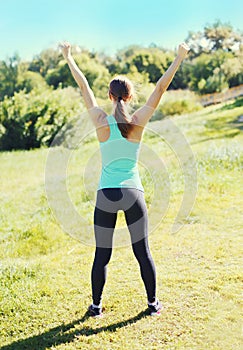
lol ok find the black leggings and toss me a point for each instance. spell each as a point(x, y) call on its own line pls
point(132, 202)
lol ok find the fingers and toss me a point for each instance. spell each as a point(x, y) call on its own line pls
point(185, 46)
point(64, 45)
point(183, 50)
point(65, 48)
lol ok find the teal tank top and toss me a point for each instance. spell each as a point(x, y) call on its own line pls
point(119, 160)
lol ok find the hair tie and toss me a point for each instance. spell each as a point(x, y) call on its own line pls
point(119, 98)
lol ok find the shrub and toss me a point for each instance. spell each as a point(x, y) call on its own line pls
point(177, 102)
point(32, 120)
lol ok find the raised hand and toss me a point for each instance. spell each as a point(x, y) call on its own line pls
point(66, 49)
point(183, 50)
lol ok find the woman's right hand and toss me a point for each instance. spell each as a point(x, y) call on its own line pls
point(66, 49)
point(183, 50)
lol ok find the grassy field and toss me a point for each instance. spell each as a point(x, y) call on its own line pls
point(45, 274)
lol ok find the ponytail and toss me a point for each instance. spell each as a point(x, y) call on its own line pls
point(121, 89)
point(122, 118)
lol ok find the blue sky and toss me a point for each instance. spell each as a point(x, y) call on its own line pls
point(29, 26)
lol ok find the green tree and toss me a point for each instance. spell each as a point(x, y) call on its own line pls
point(222, 36)
point(153, 61)
point(46, 60)
point(216, 36)
point(8, 76)
point(97, 75)
point(32, 120)
point(28, 80)
point(233, 69)
point(207, 74)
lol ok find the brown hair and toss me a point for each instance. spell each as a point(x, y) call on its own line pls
point(121, 89)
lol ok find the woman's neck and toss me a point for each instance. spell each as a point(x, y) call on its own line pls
point(113, 108)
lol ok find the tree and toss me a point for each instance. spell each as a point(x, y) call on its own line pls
point(8, 76)
point(153, 61)
point(207, 74)
point(216, 36)
point(28, 80)
point(222, 36)
point(233, 69)
point(46, 60)
point(97, 75)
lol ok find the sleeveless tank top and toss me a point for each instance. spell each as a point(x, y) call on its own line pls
point(119, 160)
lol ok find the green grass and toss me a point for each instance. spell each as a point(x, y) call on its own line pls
point(45, 274)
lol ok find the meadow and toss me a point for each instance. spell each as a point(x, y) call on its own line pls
point(45, 273)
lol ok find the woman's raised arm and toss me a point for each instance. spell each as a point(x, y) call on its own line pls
point(88, 95)
point(143, 114)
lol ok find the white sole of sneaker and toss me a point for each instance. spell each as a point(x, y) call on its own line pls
point(158, 313)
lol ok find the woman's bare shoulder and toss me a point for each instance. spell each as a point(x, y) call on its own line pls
point(98, 116)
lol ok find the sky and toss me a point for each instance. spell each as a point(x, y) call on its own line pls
point(28, 26)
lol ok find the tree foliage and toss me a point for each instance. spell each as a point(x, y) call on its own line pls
point(207, 73)
point(30, 120)
point(216, 36)
point(8, 76)
point(37, 97)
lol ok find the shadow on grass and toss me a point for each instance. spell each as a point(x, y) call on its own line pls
point(223, 127)
point(65, 334)
point(237, 103)
point(222, 136)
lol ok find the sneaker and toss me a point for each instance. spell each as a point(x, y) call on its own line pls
point(95, 311)
point(155, 310)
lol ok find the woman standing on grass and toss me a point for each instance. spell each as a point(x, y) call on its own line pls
point(120, 188)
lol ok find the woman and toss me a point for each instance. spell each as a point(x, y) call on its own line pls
point(120, 187)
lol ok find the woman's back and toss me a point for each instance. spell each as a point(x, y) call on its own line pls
point(119, 160)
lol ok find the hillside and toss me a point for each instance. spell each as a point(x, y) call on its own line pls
point(45, 273)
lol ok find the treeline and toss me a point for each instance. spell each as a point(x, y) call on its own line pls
point(38, 97)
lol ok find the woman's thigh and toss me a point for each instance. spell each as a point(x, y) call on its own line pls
point(108, 202)
point(104, 220)
point(137, 217)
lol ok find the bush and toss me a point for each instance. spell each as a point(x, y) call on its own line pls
point(32, 120)
point(177, 102)
point(179, 107)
